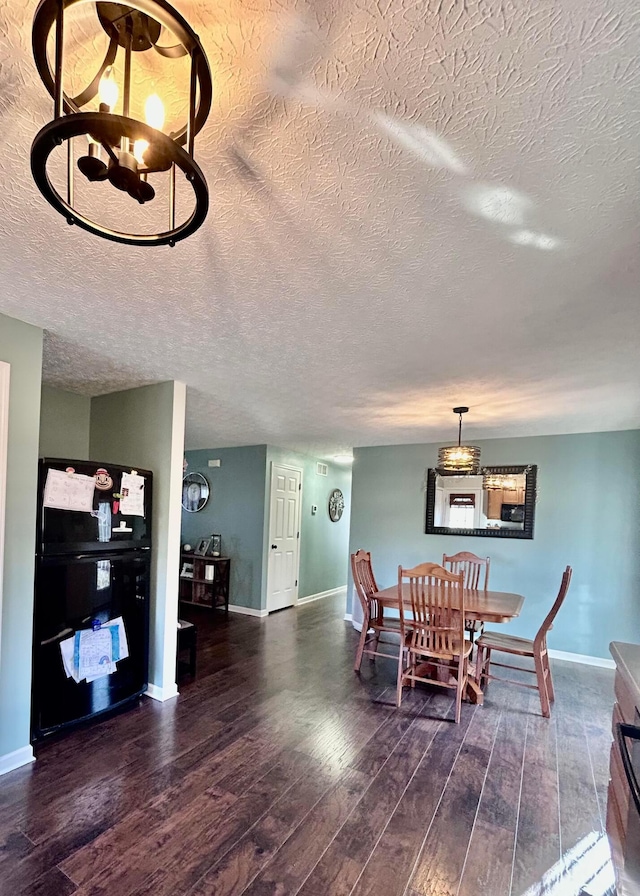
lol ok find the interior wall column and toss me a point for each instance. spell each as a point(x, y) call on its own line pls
point(146, 427)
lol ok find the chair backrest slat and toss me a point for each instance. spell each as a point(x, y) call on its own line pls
point(437, 603)
point(471, 566)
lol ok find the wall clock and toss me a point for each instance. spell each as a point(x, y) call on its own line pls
point(195, 492)
point(336, 505)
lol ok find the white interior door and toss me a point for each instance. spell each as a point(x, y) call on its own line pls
point(284, 537)
point(4, 433)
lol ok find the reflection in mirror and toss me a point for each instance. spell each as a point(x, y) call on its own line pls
point(498, 502)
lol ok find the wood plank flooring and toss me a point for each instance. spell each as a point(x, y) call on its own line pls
point(279, 772)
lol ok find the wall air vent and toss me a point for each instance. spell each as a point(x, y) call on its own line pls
point(322, 469)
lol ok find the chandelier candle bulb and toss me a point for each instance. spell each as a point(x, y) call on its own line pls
point(139, 149)
point(108, 90)
point(154, 112)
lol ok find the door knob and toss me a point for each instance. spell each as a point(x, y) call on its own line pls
point(274, 547)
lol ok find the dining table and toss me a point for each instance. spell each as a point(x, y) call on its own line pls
point(483, 605)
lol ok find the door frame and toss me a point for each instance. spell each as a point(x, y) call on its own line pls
point(5, 373)
point(267, 544)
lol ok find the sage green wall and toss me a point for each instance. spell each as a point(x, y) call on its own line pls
point(64, 424)
point(324, 546)
point(21, 347)
point(146, 427)
point(586, 516)
point(235, 510)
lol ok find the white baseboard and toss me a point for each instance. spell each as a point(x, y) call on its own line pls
point(583, 658)
point(260, 614)
point(9, 761)
point(248, 611)
point(332, 592)
point(348, 617)
point(162, 694)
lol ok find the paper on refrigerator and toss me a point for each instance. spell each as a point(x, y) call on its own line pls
point(93, 653)
point(132, 492)
point(68, 491)
point(67, 651)
point(123, 650)
point(78, 650)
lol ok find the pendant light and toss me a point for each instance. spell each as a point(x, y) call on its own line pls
point(117, 150)
point(458, 459)
point(495, 481)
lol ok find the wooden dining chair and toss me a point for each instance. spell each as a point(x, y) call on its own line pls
point(476, 576)
point(436, 640)
point(535, 650)
point(475, 569)
point(374, 621)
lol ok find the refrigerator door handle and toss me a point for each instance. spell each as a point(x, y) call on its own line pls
point(97, 555)
point(63, 634)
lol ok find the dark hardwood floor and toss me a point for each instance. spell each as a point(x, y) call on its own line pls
point(278, 771)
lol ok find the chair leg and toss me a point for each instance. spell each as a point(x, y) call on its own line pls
point(483, 661)
point(479, 655)
point(547, 669)
point(376, 643)
point(400, 678)
point(460, 686)
point(542, 686)
point(361, 643)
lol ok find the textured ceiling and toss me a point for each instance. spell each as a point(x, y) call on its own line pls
point(413, 205)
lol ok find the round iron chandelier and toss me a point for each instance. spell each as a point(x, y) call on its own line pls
point(457, 459)
point(106, 143)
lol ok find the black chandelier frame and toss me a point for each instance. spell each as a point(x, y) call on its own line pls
point(135, 27)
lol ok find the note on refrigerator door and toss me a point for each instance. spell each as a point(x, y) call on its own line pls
point(68, 491)
point(93, 653)
point(76, 649)
point(66, 649)
point(120, 646)
point(132, 491)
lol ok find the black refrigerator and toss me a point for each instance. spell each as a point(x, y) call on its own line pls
point(93, 554)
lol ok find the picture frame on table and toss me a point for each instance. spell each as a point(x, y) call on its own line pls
point(187, 571)
point(202, 547)
point(215, 546)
